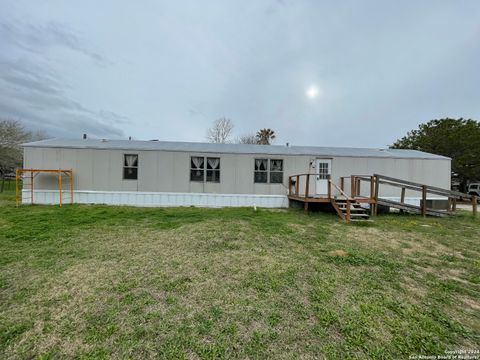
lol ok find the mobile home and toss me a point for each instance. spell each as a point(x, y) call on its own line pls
point(161, 173)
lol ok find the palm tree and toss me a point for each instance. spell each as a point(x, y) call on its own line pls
point(265, 136)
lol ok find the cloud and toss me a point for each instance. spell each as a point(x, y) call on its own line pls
point(38, 99)
point(36, 38)
point(35, 93)
point(382, 67)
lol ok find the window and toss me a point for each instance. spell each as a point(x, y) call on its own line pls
point(197, 169)
point(268, 171)
point(276, 171)
point(261, 171)
point(213, 169)
point(130, 166)
point(323, 170)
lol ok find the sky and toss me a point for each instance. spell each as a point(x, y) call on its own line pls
point(321, 73)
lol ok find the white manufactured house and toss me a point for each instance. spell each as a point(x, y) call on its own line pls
point(159, 173)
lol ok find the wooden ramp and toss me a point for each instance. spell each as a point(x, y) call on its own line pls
point(412, 208)
point(355, 207)
point(423, 190)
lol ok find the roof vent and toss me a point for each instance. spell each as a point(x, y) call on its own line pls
point(287, 144)
point(104, 140)
point(84, 136)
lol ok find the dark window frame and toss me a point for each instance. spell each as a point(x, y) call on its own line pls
point(127, 167)
point(208, 173)
point(257, 171)
point(193, 178)
point(213, 171)
point(268, 172)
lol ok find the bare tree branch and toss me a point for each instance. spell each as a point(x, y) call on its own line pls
point(221, 131)
point(12, 135)
point(247, 139)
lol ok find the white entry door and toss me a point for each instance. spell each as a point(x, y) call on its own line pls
point(323, 169)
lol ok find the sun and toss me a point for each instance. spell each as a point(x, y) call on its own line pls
point(312, 92)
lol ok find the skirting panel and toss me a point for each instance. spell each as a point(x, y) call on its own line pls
point(153, 199)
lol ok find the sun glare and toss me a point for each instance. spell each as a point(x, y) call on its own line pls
point(312, 92)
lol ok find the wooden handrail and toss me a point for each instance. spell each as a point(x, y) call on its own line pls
point(417, 186)
point(339, 189)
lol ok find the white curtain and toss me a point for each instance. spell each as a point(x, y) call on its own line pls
point(198, 162)
point(130, 160)
point(276, 165)
point(213, 162)
point(258, 164)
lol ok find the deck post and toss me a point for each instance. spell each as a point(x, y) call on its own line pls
point(372, 194)
point(60, 187)
point(31, 185)
point(17, 189)
point(402, 198)
point(424, 200)
point(454, 204)
point(307, 185)
point(71, 186)
point(474, 205)
point(342, 183)
point(348, 211)
point(297, 185)
point(352, 186)
point(329, 179)
point(357, 187)
point(305, 207)
point(377, 185)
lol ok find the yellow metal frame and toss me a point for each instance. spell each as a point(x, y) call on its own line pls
point(21, 174)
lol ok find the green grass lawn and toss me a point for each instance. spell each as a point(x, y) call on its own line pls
point(122, 282)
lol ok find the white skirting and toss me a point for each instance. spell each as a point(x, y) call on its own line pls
point(153, 199)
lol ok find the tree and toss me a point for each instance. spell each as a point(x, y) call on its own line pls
point(457, 139)
point(265, 136)
point(221, 131)
point(12, 135)
point(247, 139)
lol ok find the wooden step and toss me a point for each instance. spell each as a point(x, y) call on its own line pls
point(352, 209)
point(359, 215)
point(357, 212)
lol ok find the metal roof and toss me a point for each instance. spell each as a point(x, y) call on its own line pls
point(197, 147)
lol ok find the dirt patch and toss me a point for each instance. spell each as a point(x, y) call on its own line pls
point(337, 253)
point(471, 303)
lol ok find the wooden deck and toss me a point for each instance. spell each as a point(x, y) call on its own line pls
point(349, 206)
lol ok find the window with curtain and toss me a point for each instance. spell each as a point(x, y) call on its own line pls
point(261, 171)
point(197, 168)
point(268, 171)
point(213, 169)
point(130, 166)
point(276, 171)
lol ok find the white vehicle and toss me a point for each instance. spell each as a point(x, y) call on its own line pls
point(474, 189)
